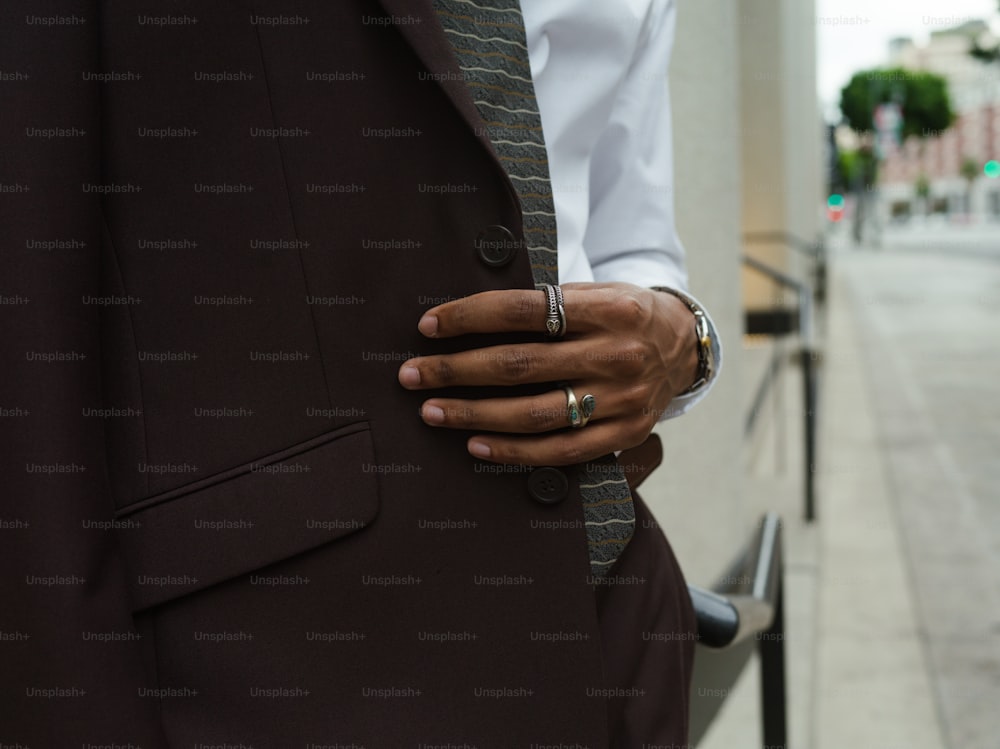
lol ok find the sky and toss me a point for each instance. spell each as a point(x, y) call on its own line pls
point(854, 34)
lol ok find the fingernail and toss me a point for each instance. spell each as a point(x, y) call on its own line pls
point(433, 414)
point(409, 377)
point(480, 449)
point(428, 325)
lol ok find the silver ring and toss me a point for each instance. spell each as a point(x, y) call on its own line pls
point(555, 320)
point(579, 413)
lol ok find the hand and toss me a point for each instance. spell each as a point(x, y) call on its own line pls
point(633, 349)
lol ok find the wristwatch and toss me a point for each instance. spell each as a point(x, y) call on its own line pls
point(703, 331)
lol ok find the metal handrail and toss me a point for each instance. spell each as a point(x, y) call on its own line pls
point(742, 603)
point(802, 290)
point(812, 249)
point(807, 355)
point(743, 612)
point(773, 368)
point(816, 251)
point(725, 621)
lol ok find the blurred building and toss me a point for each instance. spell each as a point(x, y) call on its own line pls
point(945, 174)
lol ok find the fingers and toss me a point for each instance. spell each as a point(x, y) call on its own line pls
point(541, 413)
point(588, 307)
point(612, 342)
point(562, 448)
point(502, 365)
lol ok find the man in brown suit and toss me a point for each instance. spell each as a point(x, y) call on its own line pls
point(224, 520)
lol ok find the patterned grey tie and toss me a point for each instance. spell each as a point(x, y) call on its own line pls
point(488, 39)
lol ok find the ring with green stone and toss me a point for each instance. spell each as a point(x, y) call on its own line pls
point(578, 412)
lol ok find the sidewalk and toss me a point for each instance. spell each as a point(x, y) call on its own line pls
point(858, 671)
point(930, 335)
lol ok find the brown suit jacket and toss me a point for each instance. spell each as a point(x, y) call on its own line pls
point(224, 521)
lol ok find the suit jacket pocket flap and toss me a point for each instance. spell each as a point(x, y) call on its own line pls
point(248, 517)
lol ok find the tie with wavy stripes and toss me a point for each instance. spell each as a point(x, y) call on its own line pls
point(488, 39)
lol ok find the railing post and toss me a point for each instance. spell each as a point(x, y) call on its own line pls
point(808, 399)
point(807, 295)
point(771, 649)
point(809, 403)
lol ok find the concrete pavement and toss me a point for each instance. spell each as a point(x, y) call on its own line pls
point(932, 341)
point(893, 615)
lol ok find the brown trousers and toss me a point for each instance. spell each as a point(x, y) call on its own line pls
point(649, 633)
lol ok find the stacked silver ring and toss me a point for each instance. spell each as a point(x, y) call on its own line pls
point(555, 321)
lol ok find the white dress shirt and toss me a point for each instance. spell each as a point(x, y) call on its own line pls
point(600, 75)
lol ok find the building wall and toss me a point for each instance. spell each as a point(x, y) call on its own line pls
point(746, 127)
point(696, 493)
point(782, 134)
point(802, 150)
point(763, 91)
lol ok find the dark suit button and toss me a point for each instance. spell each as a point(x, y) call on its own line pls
point(496, 246)
point(548, 485)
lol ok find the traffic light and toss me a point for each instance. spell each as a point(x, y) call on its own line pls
point(992, 169)
point(835, 207)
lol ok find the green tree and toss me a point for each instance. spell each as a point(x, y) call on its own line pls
point(922, 189)
point(858, 169)
point(923, 97)
point(985, 54)
point(970, 170)
point(926, 111)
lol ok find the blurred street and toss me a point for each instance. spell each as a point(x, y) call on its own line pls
point(926, 306)
point(893, 595)
point(939, 239)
